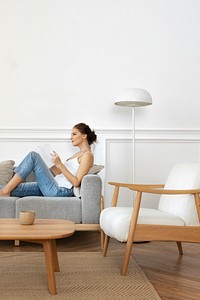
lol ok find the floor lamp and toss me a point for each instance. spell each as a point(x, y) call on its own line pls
point(133, 97)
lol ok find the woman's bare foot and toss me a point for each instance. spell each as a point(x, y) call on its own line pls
point(3, 193)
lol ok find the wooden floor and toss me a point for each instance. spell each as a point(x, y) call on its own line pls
point(172, 276)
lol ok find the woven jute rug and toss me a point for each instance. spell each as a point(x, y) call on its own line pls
point(83, 275)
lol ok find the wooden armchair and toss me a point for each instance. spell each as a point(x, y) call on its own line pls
point(177, 217)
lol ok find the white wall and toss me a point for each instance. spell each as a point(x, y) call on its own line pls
point(64, 61)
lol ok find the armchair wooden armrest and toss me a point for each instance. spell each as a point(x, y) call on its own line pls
point(136, 187)
point(153, 188)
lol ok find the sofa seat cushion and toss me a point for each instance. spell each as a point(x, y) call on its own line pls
point(7, 207)
point(115, 221)
point(68, 208)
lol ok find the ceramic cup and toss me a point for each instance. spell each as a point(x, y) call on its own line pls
point(27, 217)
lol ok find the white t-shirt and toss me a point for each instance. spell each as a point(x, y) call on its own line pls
point(72, 165)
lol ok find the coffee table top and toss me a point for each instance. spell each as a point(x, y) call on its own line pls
point(42, 229)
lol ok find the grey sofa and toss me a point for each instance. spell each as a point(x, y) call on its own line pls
point(83, 210)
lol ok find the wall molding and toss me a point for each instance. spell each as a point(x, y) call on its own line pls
point(61, 134)
point(24, 139)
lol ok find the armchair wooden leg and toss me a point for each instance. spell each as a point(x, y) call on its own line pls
point(180, 249)
point(131, 233)
point(105, 245)
point(102, 239)
point(126, 258)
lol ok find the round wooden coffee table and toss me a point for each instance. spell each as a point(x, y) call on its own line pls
point(43, 231)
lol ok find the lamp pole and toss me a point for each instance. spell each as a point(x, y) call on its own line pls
point(133, 97)
point(133, 144)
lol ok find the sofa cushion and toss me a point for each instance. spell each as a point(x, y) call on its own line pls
point(7, 207)
point(95, 169)
point(6, 171)
point(68, 208)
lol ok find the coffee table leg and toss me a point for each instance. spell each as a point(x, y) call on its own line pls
point(55, 256)
point(49, 252)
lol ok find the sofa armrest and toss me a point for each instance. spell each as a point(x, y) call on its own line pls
point(91, 188)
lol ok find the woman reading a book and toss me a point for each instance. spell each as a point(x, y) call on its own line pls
point(62, 177)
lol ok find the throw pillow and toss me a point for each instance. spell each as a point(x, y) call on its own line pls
point(6, 171)
point(95, 169)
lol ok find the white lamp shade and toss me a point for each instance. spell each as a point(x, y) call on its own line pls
point(133, 97)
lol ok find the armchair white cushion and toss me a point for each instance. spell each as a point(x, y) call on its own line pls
point(182, 177)
point(115, 222)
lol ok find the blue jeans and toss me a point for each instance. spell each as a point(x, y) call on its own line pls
point(45, 184)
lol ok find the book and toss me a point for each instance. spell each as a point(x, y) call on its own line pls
point(45, 151)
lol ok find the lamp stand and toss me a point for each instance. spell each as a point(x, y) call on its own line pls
point(133, 97)
point(133, 144)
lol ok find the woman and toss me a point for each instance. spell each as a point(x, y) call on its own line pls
point(67, 174)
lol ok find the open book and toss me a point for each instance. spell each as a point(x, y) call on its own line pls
point(45, 151)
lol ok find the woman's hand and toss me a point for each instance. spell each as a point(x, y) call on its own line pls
point(56, 159)
point(86, 161)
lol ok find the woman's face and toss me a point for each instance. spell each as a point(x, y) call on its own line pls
point(77, 137)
